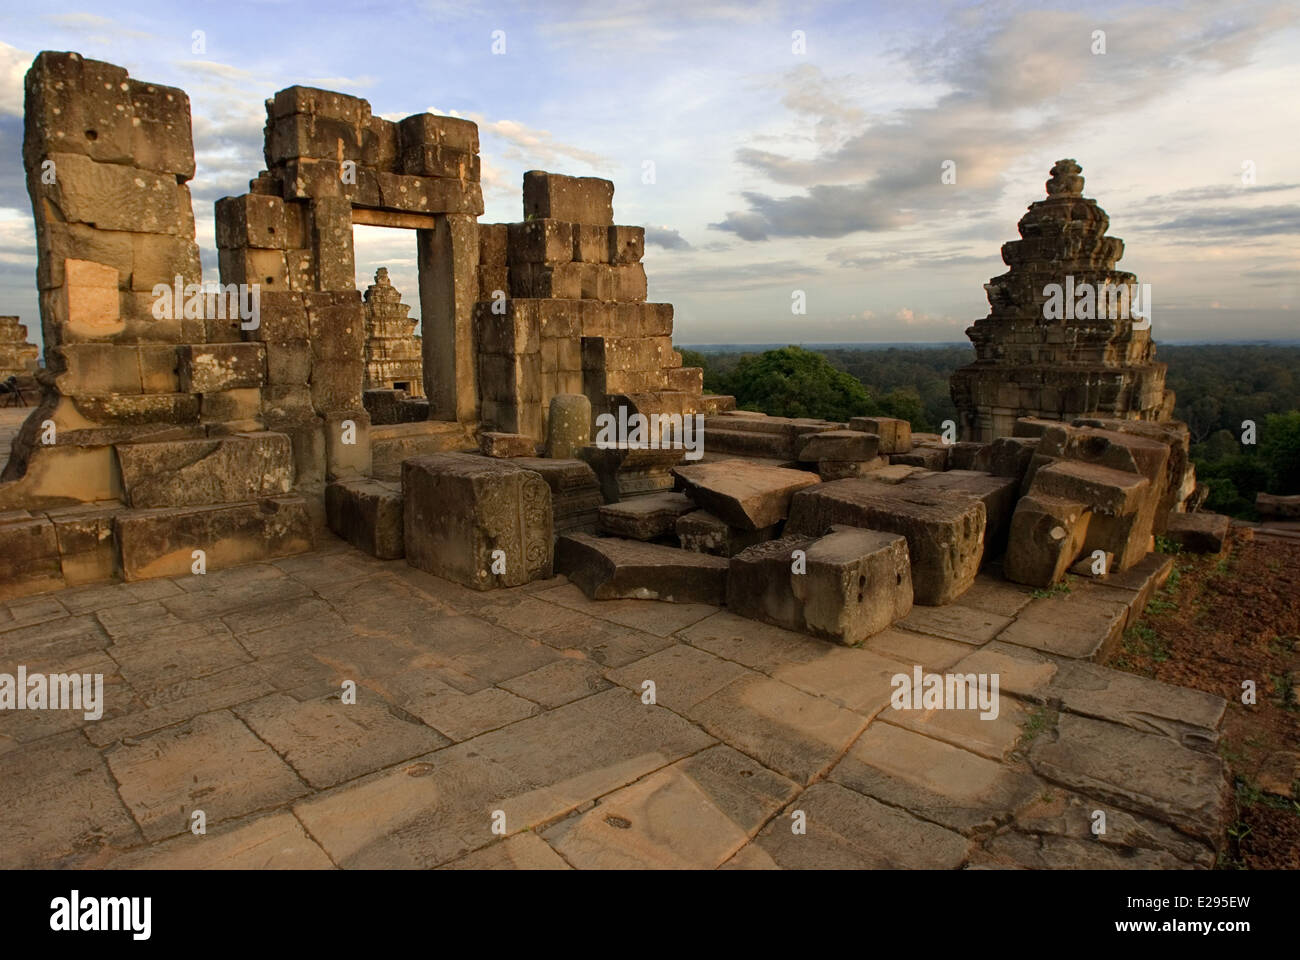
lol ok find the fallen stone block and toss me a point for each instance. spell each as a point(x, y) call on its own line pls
point(626, 472)
point(1047, 535)
point(895, 435)
point(1032, 427)
point(162, 542)
point(1098, 568)
point(182, 473)
point(1200, 532)
point(506, 445)
point(612, 568)
point(998, 495)
point(928, 458)
point(945, 534)
point(969, 455)
point(1271, 505)
point(839, 445)
point(702, 532)
point(1010, 456)
point(575, 492)
point(645, 518)
point(845, 586)
point(741, 493)
point(368, 515)
point(477, 521)
point(1120, 502)
point(845, 469)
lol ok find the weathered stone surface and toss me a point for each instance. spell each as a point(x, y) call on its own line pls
point(945, 535)
point(161, 542)
point(845, 469)
point(574, 199)
point(742, 494)
point(477, 521)
point(645, 518)
point(506, 445)
point(998, 494)
point(845, 586)
point(1073, 625)
point(29, 557)
point(369, 515)
point(1047, 535)
point(935, 780)
point(926, 457)
point(840, 445)
point(1200, 532)
point(610, 568)
point(1121, 504)
point(182, 473)
point(702, 532)
point(847, 831)
point(210, 367)
point(568, 425)
point(1146, 773)
point(895, 435)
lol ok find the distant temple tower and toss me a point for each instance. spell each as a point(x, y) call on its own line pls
point(393, 358)
point(17, 356)
point(1082, 349)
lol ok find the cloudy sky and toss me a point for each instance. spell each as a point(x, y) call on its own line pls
point(760, 166)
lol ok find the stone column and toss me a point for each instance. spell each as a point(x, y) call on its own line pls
point(448, 264)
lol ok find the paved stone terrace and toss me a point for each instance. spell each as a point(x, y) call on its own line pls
point(223, 694)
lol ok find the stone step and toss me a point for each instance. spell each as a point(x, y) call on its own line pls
point(205, 471)
point(610, 568)
point(161, 542)
point(392, 443)
point(367, 514)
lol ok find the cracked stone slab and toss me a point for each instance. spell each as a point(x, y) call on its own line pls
point(847, 831)
point(1190, 717)
point(327, 741)
point(523, 851)
point(274, 842)
point(789, 731)
point(212, 763)
point(1068, 626)
point(1142, 772)
point(59, 807)
point(934, 780)
point(956, 621)
point(613, 568)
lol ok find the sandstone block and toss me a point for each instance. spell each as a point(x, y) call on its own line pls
point(568, 425)
point(743, 494)
point(895, 435)
point(367, 514)
point(854, 583)
point(29, 558)
point(506, 445)
point(1047, 535)
point(161, 138)
point(945, 535)
point(475, 520)
point(626, 244)
point(645, 518)
point(540, 241)
point(208, 368)
point(702, 532)
point(180, 473)
point(1121, 504)
point(612, 568)
point(839, 445)
point(575, 199)
point(1200, 532)
point(161, 543)
point(115, 197)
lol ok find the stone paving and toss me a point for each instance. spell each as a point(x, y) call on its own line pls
point(524, 710)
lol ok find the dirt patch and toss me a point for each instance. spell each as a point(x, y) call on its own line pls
point(1218, 622)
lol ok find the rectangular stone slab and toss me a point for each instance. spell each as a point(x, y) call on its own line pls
point(839, 445)
point(611, 568)
point(645, 518)
point(743, 494)
point(1047, 535)
point(467, 517)
point(702, 532)
point(182, 473)
point(945, 534)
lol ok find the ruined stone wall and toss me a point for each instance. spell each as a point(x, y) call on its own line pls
point(562, 309)
point(18, 358)
point(1060, 369)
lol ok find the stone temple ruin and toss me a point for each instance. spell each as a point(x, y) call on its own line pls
point(1101, 364)
point(175, 438)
